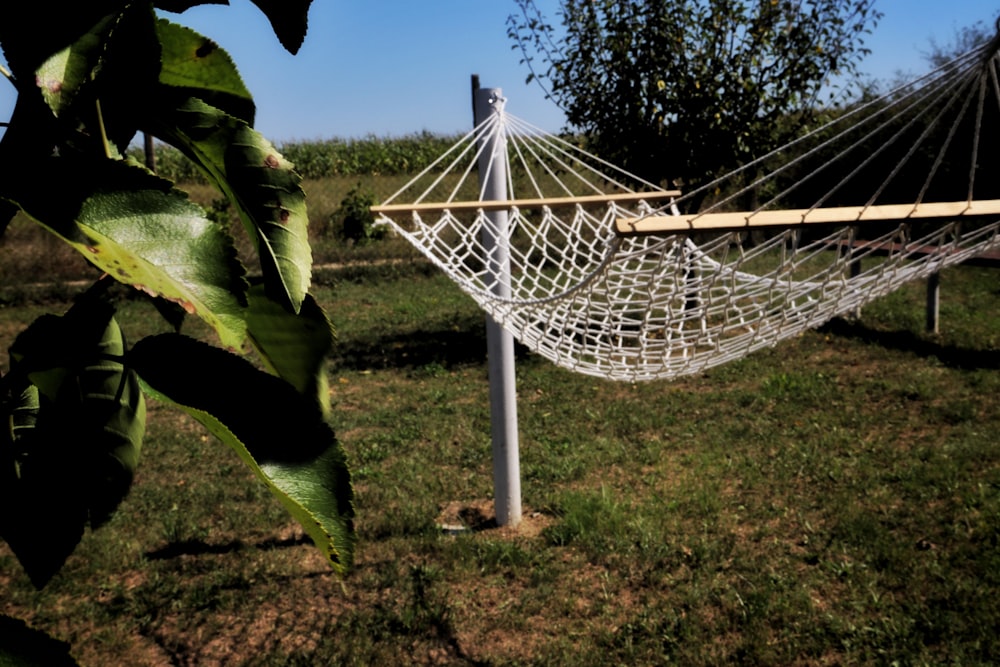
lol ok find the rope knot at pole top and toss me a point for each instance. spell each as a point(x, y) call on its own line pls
point(498, 102)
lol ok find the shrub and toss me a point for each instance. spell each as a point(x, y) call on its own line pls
point(354, 221)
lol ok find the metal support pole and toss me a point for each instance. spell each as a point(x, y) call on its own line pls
point(933, 299)
point(499, 343)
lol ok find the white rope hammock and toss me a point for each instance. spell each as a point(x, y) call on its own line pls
point(606, 277)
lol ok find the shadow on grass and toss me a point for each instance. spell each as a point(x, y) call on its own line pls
point(25, 646)
point(448, 348)
point(907, 341)
point(201, 548)
point(466, 346)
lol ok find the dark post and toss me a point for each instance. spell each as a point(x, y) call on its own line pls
point(150, 155)
point(933, 299)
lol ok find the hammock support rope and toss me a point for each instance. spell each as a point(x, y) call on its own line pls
point(607, 277)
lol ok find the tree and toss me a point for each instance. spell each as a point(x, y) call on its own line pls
point(679, 91)
point(89, 77)
point(964, 40)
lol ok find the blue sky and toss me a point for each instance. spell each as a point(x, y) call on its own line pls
point(391, 67)
point(396, 67)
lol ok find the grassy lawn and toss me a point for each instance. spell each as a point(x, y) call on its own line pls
point(834, 500)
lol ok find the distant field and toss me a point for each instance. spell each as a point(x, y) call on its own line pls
point(349, 158)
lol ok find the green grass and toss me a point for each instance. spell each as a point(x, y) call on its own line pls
point(835, 500)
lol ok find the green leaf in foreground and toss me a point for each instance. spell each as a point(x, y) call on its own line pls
point(293, 345)
point(279, 433)
point(198, 65)
point(289, 19)
point(144, 234)
point(75, 436)
point(264, 188)
point(63, 74)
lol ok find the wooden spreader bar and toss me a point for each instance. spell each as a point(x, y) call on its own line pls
point(499, 205)
point(848, 215)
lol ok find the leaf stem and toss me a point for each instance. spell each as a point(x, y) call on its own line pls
point(104, 132)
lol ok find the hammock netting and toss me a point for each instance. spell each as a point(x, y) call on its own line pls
point(557, 266)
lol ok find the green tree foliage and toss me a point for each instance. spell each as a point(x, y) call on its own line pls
point(89, 77)
point(682, 90)
point(932, 137)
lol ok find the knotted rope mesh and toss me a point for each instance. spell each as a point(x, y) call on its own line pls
point(552, 267)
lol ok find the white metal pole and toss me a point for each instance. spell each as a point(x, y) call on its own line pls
point(499, 343)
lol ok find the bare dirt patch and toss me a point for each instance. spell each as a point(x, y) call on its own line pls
point(479, 516)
